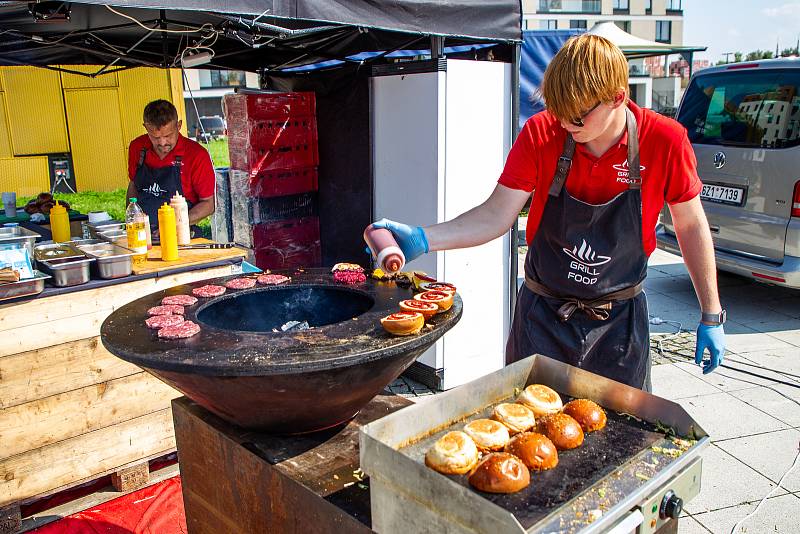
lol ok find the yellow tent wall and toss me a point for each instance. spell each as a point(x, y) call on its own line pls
point(44, 111)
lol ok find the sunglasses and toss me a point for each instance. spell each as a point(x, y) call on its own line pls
point(579, 121)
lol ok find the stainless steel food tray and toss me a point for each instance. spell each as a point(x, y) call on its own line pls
point(18, 234)
point(111, 261)
point(56, 251)
point(68, 272)
point(104, 226)
point(24, 288)
point(614, 470)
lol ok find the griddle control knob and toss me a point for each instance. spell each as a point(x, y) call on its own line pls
point(671, 506)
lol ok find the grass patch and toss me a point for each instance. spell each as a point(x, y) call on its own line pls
point(219, 152)
point(112, 202)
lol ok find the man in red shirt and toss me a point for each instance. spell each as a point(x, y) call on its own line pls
point(600, 169)
point(163, 162)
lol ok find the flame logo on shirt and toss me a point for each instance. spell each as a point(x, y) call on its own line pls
point(586, 255)
point(624, 167)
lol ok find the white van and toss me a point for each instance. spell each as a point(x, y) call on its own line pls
point(743, 120)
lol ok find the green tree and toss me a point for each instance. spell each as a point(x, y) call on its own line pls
point(790, 52)
point(737, 57)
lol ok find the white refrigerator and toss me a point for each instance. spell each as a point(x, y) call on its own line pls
point(441, 130)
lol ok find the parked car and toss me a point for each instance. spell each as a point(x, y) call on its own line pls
point(213, 128)
point(743, 120)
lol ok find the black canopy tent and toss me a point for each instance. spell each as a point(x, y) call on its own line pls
point(269, 37)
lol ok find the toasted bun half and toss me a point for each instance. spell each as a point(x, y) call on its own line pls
point(535, 450)
point(427, 309)
point(540, 399)
point(587, 413)
point(500, 472)
point(517, 417)
point(563, 430)
point(453, 454)
point(438, 286)
point(440, 298)
point(488, 435)
point(403, 323)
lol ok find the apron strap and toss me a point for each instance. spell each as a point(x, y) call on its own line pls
point(597, 309)
point(634, 170)
point(142, 155)
point(564, 164)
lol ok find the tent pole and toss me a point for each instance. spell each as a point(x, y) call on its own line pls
point(162, 23)
point(437, 47)
point(516, 55)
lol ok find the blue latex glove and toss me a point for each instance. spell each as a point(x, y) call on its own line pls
point(412, 240)
point(711, 338)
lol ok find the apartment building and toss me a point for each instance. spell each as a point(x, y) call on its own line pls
point(654, 20)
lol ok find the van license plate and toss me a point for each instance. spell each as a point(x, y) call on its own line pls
point(723, 194)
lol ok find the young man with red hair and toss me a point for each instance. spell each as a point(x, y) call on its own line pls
point(600, 170)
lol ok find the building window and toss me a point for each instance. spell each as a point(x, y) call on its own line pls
point(648, 7)
point(227, 78)
point(548, 24)
point(577, 24)
point(569, 6)
point(624, 25)
point(663, 31)
point(673, 5)
point(621, 6)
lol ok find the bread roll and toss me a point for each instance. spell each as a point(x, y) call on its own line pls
point(587, 413)
point(563, 430)
point(453, 454)
point(441, 298)
point(488, 435)
point(427, 309)
point(535, 450)
point(403, 323)
point(517, 417)
point(540, 399)
point(500, 472)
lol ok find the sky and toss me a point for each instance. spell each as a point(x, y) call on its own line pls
point(740, 25)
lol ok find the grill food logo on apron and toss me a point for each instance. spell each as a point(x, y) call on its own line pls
point(155, 190)
point(583, 267)
point(623, 172)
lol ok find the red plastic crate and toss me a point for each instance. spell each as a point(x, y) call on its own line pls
point(264, 133)
point(249, 106)
point(285, 154)
point(287, 244)
point(284, 182)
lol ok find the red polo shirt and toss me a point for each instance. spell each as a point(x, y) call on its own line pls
point(667, 162)
point(197, 171)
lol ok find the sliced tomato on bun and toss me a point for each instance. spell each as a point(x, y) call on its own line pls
point(403, 323)
point(441, 298)
point(438, 286)
point(427, 309)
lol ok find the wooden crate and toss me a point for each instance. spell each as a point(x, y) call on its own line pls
point(70, 411)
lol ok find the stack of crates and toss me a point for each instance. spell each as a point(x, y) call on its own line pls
point(272, 140)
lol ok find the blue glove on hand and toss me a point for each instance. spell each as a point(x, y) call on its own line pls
point(711, 338)
point(412, 240)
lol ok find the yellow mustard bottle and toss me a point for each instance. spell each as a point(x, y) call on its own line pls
point(59, 223)
point(168, 233)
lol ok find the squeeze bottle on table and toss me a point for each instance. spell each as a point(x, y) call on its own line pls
point(181, 208)
point(59, 223)
point(384, 249)
point(167, 233)
point(135, 222)
point(149, 232)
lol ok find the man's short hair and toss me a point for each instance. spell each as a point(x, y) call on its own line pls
point(588, 69)
point(159, 113)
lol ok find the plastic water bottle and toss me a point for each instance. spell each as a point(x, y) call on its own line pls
point(135, 221)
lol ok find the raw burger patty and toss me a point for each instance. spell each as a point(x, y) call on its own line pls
point(349, 277)
point(160, 321)
point(180, 300)
point(272, 279)
point(240, 283)
point(208, 291)
point(183, 330)
point(166, 310)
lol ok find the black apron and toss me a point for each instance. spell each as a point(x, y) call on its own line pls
point(582, 302)
point(155, 186)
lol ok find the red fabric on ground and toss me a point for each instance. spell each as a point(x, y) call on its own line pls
point(156, 509)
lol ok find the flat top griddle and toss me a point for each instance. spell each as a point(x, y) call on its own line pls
point(622, 441)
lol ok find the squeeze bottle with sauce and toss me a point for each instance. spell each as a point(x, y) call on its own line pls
point(149, 232)
point(59, 223)
point(178, 203)
point(167, 233)
point(384, 249)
